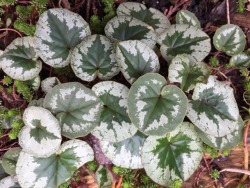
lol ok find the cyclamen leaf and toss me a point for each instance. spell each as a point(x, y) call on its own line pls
point(136, 59)
point(151, 16)
point(76, 106)
point(19, 59)
point(115, 124)
point(58, 31)
point(154, 107)
point(184, 39)
point(175, 155)
point(49, 83)
point(41, 135)
point(54, 170)
point(103, 178)
point(122, 28)
point(213, 108)
point(241, 60)
point(35, 83)
point(127, 153)
point(187, 17)
point(183, 71)
point(94, 57)
point(230, 39)
point(9, 160)
point(9, 182)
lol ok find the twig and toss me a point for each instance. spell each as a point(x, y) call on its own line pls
point(205, 160)
point(119, 184)
point(246, 154)
point(10, 29)
point(246, 172)
point(228, 13)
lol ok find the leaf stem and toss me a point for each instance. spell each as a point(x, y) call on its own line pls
point(10, 29)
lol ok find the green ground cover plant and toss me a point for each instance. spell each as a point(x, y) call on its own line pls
point(153, 122)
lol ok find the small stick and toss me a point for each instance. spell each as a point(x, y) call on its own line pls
point(10, 29)
point(246, 154)
point(228, 13)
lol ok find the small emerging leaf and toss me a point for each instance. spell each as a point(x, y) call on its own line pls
point(9, 161)
point(230, 39)
point(48, 83)
point(187, 17)
point(188, 74)
point(103, 178)
point(41, 136)
point(241, 60)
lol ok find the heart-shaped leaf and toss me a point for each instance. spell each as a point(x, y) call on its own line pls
point(9, 160)
point(121, 28)
point(103, 178)
point(76, 106)
point(127, 153)
point(34, 83)
point(87, 64)
point(58, 31)
point(226, 142)
point(213, 108)
point(230, 39)
point(136, 59)
point(241, 60)
point(41, 136)
point(151, 16)
point(115, 124)
point(154, 107)
point(186, 73)
point(52, 171)
point(187, 17)
point(48, 83)
point(9, 182)
point(19, 59)
point(173, 156)
point(184, 39)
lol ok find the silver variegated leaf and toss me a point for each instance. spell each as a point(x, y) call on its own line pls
point(184, 39)
point(230, 39)
point(187, 17)
point(115, 125)
point(20, 61)
point(9, 160)
point(127, 153)
point(188, 74)
point(76, 106)
point(226, 142)
point(58, 31)
point(121, 28)
point(48, 83)
point(154, 107)
point(241, 60)
point(94, 57)
point(103, 177)
point(54, 170)
point(35, 83)
point(213, 108)
point(175, 155)
point(151, 16)
point(136, 59)
point(9, 182)
point(41, 135)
